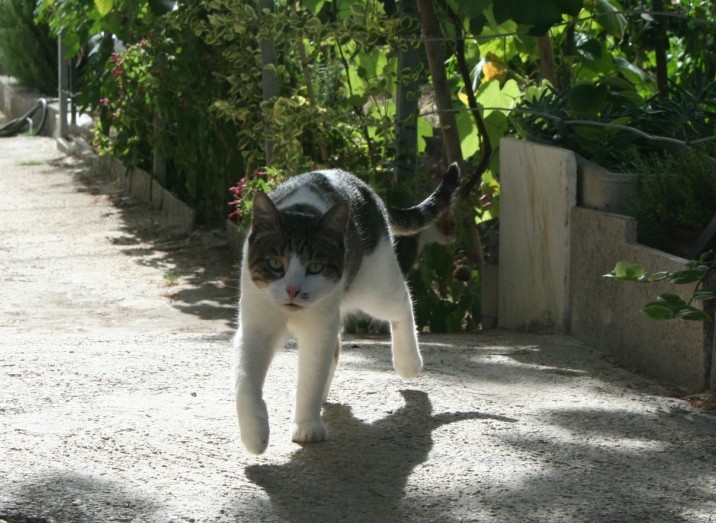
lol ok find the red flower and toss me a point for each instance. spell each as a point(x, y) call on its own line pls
point(238, 190)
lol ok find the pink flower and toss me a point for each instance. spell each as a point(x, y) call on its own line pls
point(238, 190)
point(104, 102)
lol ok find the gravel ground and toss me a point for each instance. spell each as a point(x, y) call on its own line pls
point(115, 399)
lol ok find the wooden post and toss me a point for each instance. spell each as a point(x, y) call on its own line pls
point(159, 166)
point(662, 79)
point(436, 62)
point(269, 81)
point(406, 103)
point(63, 85)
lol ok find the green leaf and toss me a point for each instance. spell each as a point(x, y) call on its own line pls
point(473, 8)
point(658, 311)
point(611, 19)
point(673, 301)
point(160, 7)
point(686, 276)
point(313, 6)
point(627, 271)
point(591, 49)
point(658, 276)
point(692, 314)
point(588, 98)
point(103, 6)
point(705, 294)
point(467, 130)
point(705, 256)
point(477, 24)
point(539, 15)
point(632, 72)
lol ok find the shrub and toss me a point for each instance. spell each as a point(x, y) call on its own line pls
point(677, 190)
point(27, 50)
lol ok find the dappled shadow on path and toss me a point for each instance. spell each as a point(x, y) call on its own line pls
point(71, 496)
point(198, 270)
point(361, 473)
point(604, 465)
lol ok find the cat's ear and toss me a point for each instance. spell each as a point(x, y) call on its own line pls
point(335, 219)
point(263, 210)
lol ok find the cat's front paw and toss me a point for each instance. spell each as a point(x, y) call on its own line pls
point(408, 365)
point(309, 432)
point(253, 425)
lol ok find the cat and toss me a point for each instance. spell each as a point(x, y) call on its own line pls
point(321, 245)
point(407, 250)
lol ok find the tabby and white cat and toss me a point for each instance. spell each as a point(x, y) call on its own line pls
point(320, 246)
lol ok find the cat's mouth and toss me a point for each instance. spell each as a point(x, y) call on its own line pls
point(292, 307)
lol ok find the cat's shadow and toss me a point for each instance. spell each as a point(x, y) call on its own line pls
point(361, 472)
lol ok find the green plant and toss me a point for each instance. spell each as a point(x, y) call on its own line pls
point(27, 49)
point(244, 191)
point(190, 86)
point(171, 277)
point(669, 306)
point(675, 190)
point(450, 303)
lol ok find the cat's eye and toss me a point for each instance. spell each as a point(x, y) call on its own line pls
point(315, 267)
point(275, 264)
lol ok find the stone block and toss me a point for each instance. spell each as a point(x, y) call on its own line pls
point(157, 194)
point(538, 191)
point(177, 212)
point(140, 185)
point(606, 312)
point(602, 190)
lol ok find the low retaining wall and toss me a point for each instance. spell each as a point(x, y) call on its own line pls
point(606, 312)
point(141, 185)
point(553, 255)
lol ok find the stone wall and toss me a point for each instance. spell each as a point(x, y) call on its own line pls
point(553, 255)
point(606, 312)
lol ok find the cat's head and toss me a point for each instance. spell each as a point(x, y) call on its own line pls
point(297, 255)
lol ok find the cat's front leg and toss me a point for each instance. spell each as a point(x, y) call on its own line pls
point(253, 353)
point(317, 356)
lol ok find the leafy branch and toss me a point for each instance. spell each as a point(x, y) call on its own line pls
point(669, 306)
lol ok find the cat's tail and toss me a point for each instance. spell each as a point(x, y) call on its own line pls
point(404, 222)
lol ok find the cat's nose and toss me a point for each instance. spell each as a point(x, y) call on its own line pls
point(292, 291)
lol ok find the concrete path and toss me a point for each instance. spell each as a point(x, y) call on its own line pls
point(115, 400)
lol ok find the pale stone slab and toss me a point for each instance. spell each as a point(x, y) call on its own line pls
point(177, 212)
point(538, 191)
point(157, 194)
point(140, 185)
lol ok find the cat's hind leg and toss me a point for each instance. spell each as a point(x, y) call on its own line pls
point(388, 298)
point(254, 346)
point(406, 354)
